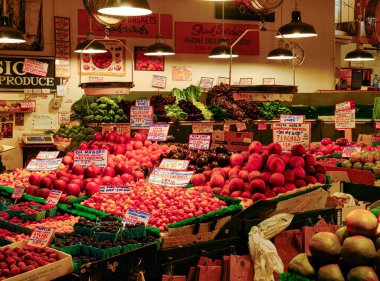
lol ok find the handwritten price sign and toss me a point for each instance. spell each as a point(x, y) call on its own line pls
point(345, 119)
point(18, 191)
point(199, 142)
point(158, 132)
point(174, 164)
point(87, 158)
point(135, 217)
point(347, 151)
point(40, 237)
point(202, 128)
point(47, 154)
point(289, 134)
point(170, 177)
point(44, 164)
point(141, 117)
point(53, 197)
point(142, 102)
point(105, 189)
point(297, 119)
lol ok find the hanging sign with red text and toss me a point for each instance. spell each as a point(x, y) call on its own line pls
point(201, 38)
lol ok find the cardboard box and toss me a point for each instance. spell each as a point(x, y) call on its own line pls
point(238, 141)
point(351, 175)
point(217, 138)
point(51, 271)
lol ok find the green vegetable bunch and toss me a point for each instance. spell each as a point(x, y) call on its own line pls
point(273, 110)
point(218, 113)
point(175, 113)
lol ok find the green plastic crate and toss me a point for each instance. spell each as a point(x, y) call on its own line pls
point(33, 217)
point(110, 236)
point(128, 248)
point(105, 253)
point(84, 230)
point(134, 233)
point(71, 250)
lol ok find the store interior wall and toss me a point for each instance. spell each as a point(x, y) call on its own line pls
point(317, 72)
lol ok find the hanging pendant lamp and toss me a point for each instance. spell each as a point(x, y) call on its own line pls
point(96, 47)
point(159, 48)
point(280, 54)
point(297, 28)
point(223, 50)
point(9, 34)
point(125, 8)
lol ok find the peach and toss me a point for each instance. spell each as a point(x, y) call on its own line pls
point(289, 186)
point(246, 194)
point(274, 148)
point(319, 169)
point(310, 179)
point(198, 180)
point(258, 196)
point(254, 175)
point(217, 190)
point(298, 150)
point(279, 189)
point(217, 181)
point(310, 160)
point(321, 178)
point(236, 159)
point(289, 176)
point(257, 185)
point(297, 161)
point(255, 147)
point(277, 179)
point(236, 194)
point(243, 174)
point(265, 176)
point(236, 184)
point(299, 172)
point(300, 183)
point(286, 156)
point(255, 165)
point(277, 165)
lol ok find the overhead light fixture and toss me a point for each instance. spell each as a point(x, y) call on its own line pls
point(222, 51)
point(296, 28)
point(9, 34)
point(159, 48)
point(90, 46)
point(359, 54)
point(125, 8)
point(280, 54)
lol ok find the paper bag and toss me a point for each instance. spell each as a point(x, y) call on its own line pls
point(209, 273)
point(241, 268)
point(288, 244)
point(173, 278)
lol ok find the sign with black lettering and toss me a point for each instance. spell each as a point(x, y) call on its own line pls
point(13, 79)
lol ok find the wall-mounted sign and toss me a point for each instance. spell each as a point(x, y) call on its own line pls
point(138, 27)
point(201, 38)
point(14, 79)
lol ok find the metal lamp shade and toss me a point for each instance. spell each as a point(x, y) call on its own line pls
point(95, 47)
point(222, 51)
point(8, 34)
point(159, 48)
point(280, 54)
point(125, 8)
point(296, 28)
point(359, 55)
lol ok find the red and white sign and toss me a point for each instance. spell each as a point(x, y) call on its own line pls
point(44, 164)
point(28, 104)
point(203, 128)
point(40, 237)
point(134, 217)
point(348, 150)
point(345, 105)
point(290, 118)
point(35, 67)
point(53, 197)
point(137, 27)
point(262, 126)
point(123, 128)
point(199, 142)
point(17, 193)
point(158, 132)
point(105, 189)
point(174, 164)
point(170, 177)
point(241, 126)
point(141, 117)
point(345, 119)
point(142, 102)
point(290, 134)
point(47, 154)
point(87, 158)
point(201, 38)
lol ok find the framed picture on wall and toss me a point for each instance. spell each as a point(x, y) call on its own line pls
point(206, 82)
point(148, 63)
point(245, 81)
point(269, 81)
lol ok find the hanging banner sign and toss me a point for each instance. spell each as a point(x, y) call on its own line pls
point(158, 132)
point(199, 142)
point(40, 237)
point(289, 134)
point(174, 164)
point(87, 158)
point(289, 118)
point(141, 117)
point(44, 164)
point(170, 177)
point(201, 38)
point(203, 128)
point(47, 155)
point(105, 189)
point(137, 27)
point(53, 197)
point(345, 119)
point(135, 217)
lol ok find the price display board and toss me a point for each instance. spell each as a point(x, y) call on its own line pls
point(170, 177)
point(289, 134)
point(199, 142)
point(174, 164)
point(40, 237)
point(44, 164)
point(141, 117)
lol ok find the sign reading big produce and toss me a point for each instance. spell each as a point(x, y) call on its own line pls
point(201, 38)
point(14, 79)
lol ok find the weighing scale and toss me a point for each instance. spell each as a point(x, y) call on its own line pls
point(30, 138)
